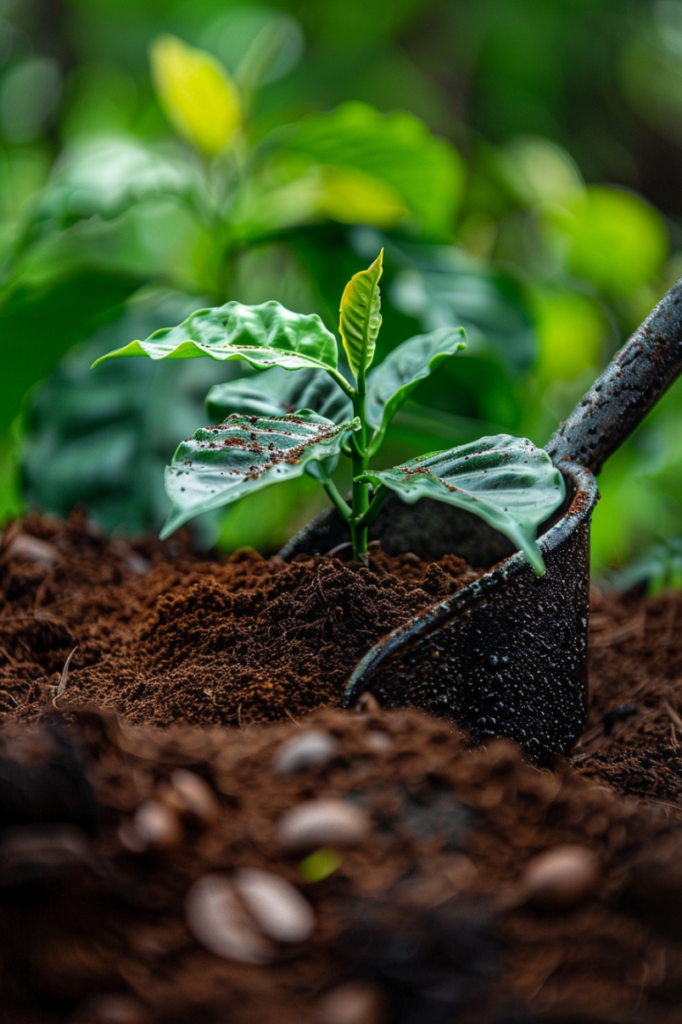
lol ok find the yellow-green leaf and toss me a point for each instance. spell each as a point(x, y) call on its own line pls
point(360, 317)
point(351, 196)
point(198, 96)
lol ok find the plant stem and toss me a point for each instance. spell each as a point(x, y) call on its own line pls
point(360, 498)
point(376, 505)
point(337, 499)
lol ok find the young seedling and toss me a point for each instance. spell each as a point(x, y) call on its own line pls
point(302, 414)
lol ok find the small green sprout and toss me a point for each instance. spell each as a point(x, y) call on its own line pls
point(301, 414)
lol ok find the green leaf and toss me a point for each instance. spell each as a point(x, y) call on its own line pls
point(105, 177)
point(360, 316)
point(102, 440)
point(265, 336)
point(426, 172)
point(505, 480)
point(443, 286)
point(277, 393)
point(40, 322)
point(244, 454)
point(198, 96)
point(391, 383)
point(616, 240)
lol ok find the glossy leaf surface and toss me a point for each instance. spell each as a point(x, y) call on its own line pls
point(265, 336)
point(198, 96)
point(392, 382)
point(360, 316)
point(220, 464)
point(505, 480)
point(277, 393)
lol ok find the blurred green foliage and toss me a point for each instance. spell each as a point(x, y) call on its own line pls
point(521, 162)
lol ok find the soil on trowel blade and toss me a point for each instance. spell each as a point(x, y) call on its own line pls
point(164, 636)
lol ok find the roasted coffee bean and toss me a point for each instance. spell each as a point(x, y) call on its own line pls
point(561, 878)
point(217, 919)
point(279, 909)
point(314, 749)
point(330, 822)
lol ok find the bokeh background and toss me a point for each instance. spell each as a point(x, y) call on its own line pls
point(521, 161)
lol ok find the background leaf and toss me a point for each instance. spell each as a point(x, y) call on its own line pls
point(221, 464)
point(266, 335)
point(197, 94)
point(398, 148)
point(105, 177)
point(505, 480)
point(392, 382)
point(102, 440)
point(360, 316)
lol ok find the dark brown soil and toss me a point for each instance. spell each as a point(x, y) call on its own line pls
point(429, 913)
point(163, 636)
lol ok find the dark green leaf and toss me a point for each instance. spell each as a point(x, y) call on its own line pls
point(391, 383)
point(245, 453)
point(40, 322)
point(276, 393)
point(102, 440)
point(265, 336)
point(505, 480)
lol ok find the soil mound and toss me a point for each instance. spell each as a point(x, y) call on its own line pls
point(163, 636)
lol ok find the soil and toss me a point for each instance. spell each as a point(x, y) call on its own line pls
point(163, 636)
point(430, 912)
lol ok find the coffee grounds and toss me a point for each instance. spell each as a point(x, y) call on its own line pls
point(165, 639)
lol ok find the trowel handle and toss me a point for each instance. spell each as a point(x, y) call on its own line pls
point(628, 388)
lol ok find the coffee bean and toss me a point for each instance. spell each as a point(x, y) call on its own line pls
point(112, 1008)
point(356, 1002)
point(329, 822)
point(217, 919)
point(279, 909)
point(561, 878)
point(313, 749)
point(154, 827)
point(378, 741)
point(25, 548)
point(194, 796)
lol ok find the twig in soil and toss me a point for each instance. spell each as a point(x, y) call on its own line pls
point(675, 719)
point(673, 715)
point(62, 681)
point(297, 724)
point(320, 591)
point(239, 716)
